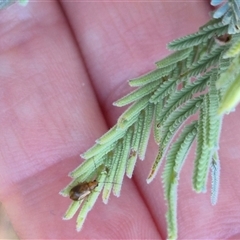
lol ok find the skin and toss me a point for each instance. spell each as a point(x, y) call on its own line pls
point(62, 66)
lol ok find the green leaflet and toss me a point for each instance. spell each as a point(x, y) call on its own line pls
point(87, 166)
point(116, 158)
point(148, 116)
point(212, 117)
point(164, 89)
point(157, 122)
point(216, 29)
point(192, 56)
point(211, 26)
point(175, 120)
point(74, 206)
point(174, 58)
point(121, 167)
point(103, 145)
point(111, 135)
point(171, 215)
point(179, 116)
point(137, 132)
point(89, 202)
point(209, 124)
point(180, 68)
point(131, 162)
point(180, 97)
point(176, 156)
point(156, 165)
point(207, 60)
point(215, 174)
point(137, 94)
point(98, 149)
point(152, 76)
point(133, 112)
point(169, 129)
point(188, 41)
point(203, 156)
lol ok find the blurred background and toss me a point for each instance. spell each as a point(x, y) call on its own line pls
point(6, 228)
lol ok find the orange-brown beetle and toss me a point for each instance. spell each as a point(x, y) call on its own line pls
point(82, 190)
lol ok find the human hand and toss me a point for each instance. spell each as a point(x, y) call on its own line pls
point(62, 66)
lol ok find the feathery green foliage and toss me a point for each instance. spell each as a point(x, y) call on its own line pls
point(175, 158)
point(191, 89)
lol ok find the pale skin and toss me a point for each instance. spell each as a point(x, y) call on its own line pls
point(62, 66)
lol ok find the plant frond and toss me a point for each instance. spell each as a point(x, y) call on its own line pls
point(89, 202)
point(176, 119)
point(215, 174)
point(148, 116)
point(98, 149)
point(203, 153)
point(86, 166)
point(111, 171)
point(164, 89)
point(112, 134)
point(157, 122)
point(174, 58)
point(138, 94)
point(180, 97)
point(177, 154)
point(213, 24)
point(121, 169)
point(180, 115)
point(131, 162)
point(203, 77)
point(132, 113)
point(71, 211)
point(207, 60)
point(216, 28)
point(187, 41)
point(138, 132)
point(176, 157)
point(169, 129)
point(209, 127)
point(152, 76)
point(192, 56)
point(212, 117)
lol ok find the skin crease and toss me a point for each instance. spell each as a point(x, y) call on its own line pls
point(62, 66)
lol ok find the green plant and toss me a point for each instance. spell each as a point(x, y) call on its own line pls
point(200, 79)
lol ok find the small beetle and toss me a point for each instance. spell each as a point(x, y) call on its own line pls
point(82, 190)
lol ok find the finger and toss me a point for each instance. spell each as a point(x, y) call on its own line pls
point(49, 114)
